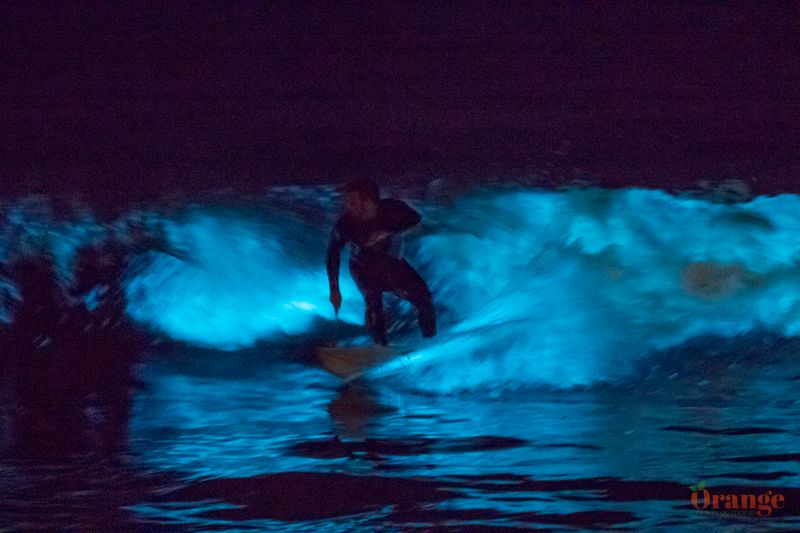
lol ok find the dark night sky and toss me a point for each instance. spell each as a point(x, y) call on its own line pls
point(147, 98)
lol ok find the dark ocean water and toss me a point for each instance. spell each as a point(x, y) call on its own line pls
point(600, 352)
point(250, 444)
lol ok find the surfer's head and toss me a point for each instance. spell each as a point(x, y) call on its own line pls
point(361, 199)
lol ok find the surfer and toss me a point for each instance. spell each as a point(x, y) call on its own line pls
point(368, 223)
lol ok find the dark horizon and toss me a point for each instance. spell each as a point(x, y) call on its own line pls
point(114, 102)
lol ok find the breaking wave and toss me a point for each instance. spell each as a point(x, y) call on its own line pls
point(532, 286)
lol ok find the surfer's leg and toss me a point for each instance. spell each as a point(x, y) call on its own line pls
point(369, 284)
point(376, 321)
point(409, 285)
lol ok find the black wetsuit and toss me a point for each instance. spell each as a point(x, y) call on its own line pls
point(376, 270)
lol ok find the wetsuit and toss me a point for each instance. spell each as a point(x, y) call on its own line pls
point(376, 269)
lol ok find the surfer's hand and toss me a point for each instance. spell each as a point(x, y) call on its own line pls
point(336, 300)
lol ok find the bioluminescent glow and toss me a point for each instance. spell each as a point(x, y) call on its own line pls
point(556, 287)
point(249, 277)
point(573, 287)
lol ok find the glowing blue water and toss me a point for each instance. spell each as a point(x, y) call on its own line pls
point(556, 287)
point(536, 291)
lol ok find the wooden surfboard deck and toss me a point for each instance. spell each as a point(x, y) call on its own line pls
point(351, 362)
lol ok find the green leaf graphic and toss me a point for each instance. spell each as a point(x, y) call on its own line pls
point(701, 485)
point(693, 488)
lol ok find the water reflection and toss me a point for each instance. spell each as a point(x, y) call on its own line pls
point(355, 407)
point(254, 440)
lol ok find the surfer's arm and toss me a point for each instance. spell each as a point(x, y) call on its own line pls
point(335, 245)
point(399, 216)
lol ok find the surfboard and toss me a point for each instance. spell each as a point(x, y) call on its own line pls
point(351, 362)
